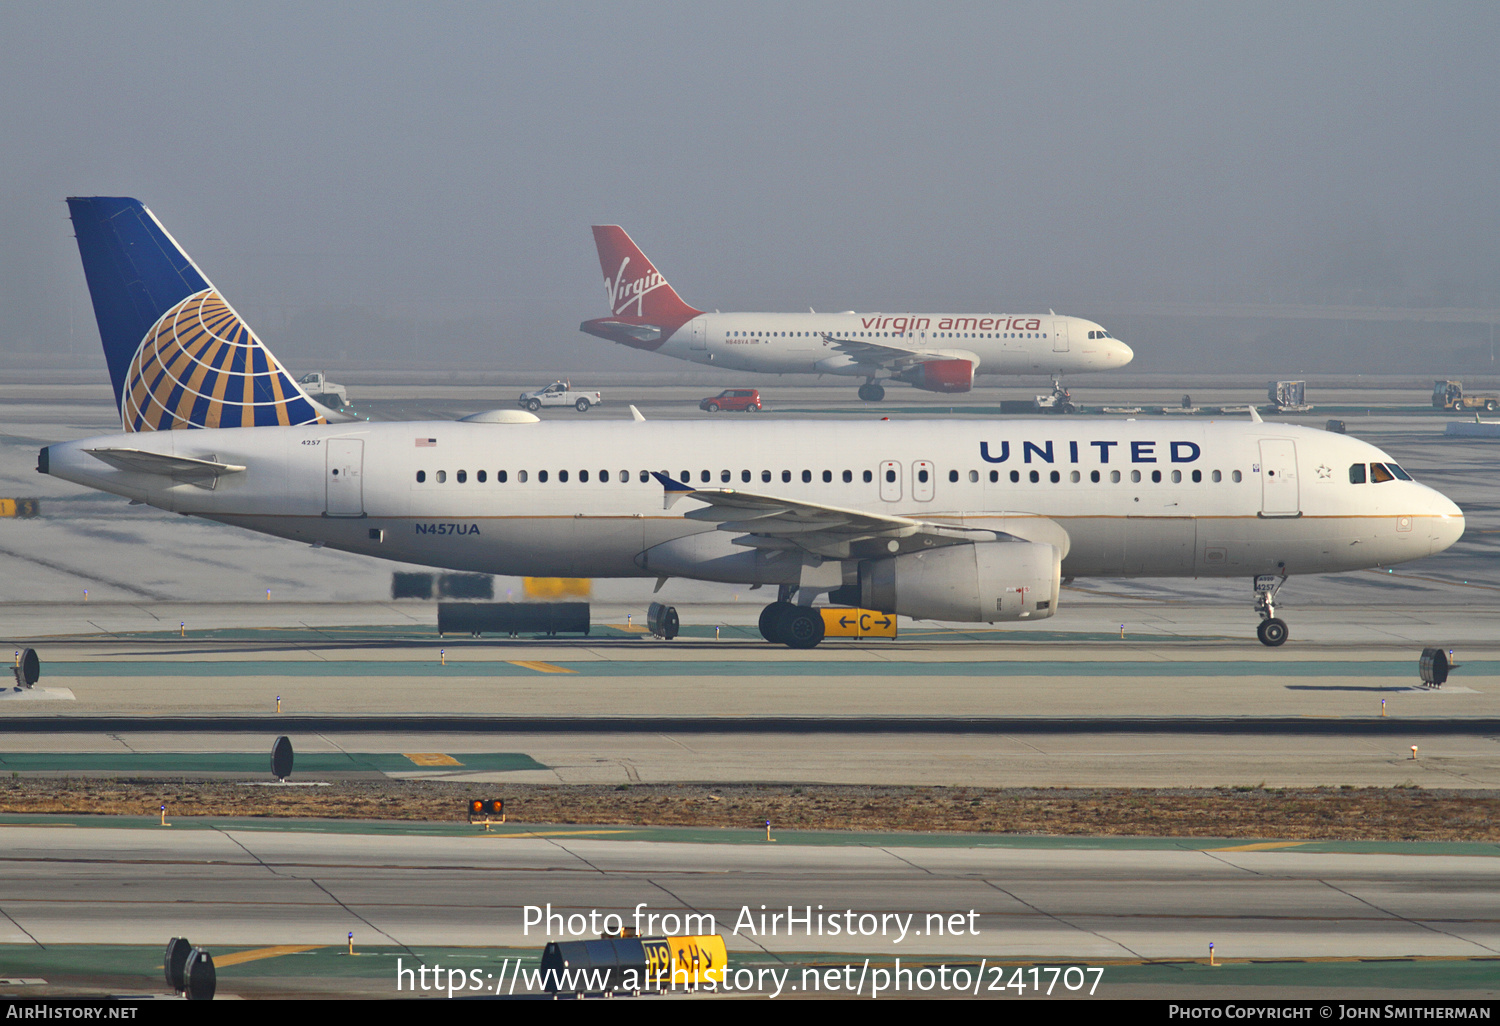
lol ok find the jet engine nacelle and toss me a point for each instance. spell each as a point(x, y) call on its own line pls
point(941, 375)
point(983, 582)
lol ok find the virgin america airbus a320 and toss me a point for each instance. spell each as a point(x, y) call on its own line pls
point(936, 352)
point(954, 520)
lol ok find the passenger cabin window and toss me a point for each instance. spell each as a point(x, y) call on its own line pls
point(1356, 473)
point(442, 476)
point(541, 476)
point(421, 476)
point(462, 476)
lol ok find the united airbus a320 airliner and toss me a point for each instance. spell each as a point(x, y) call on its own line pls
point(958, 520)
point(936, 352)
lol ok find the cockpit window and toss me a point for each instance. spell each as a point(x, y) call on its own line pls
point(1356, 473)
point(1379, 474)
point(1403, 475)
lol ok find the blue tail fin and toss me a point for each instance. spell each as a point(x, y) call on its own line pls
point(179, 356)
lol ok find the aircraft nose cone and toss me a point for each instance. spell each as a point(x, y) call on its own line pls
point(1123, 354)
point(1448, 527)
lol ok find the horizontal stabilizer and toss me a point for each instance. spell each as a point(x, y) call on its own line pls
point(203, 472)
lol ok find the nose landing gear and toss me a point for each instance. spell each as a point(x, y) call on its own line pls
point(1271, 631)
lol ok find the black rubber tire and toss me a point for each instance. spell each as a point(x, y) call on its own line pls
point(1490, 406)
point(712, 407)
point(800, 627)
point(582, 406)
point(770, 617)
point(533, 405)
point(1272, 633)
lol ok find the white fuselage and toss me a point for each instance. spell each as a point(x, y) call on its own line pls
point(577, 499)
point(792, 343)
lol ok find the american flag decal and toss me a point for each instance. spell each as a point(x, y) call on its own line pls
point(426, 443)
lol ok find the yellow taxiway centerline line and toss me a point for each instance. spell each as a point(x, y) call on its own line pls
point(1262, 846)
point(256, 954)
point(561, 833)
point(539, 667)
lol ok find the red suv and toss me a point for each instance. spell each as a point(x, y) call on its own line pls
point(746, 399)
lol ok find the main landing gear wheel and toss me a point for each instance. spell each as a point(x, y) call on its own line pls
point(871, 393)
point(800, 627)
point(1272, 632)
point(770, 618)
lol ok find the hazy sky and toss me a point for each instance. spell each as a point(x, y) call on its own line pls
point(415, 181)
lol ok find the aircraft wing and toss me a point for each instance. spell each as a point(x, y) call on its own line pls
point(202, 472)
point(771, 522)
point(882, 353)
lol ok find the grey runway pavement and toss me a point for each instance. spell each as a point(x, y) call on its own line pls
point(122, 886)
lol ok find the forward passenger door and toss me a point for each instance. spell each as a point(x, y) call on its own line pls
point(1279, 492)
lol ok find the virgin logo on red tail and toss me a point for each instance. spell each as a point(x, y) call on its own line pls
point(633, 291)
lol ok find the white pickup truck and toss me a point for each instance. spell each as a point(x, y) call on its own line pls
point(559, 393)
point(333, 396)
